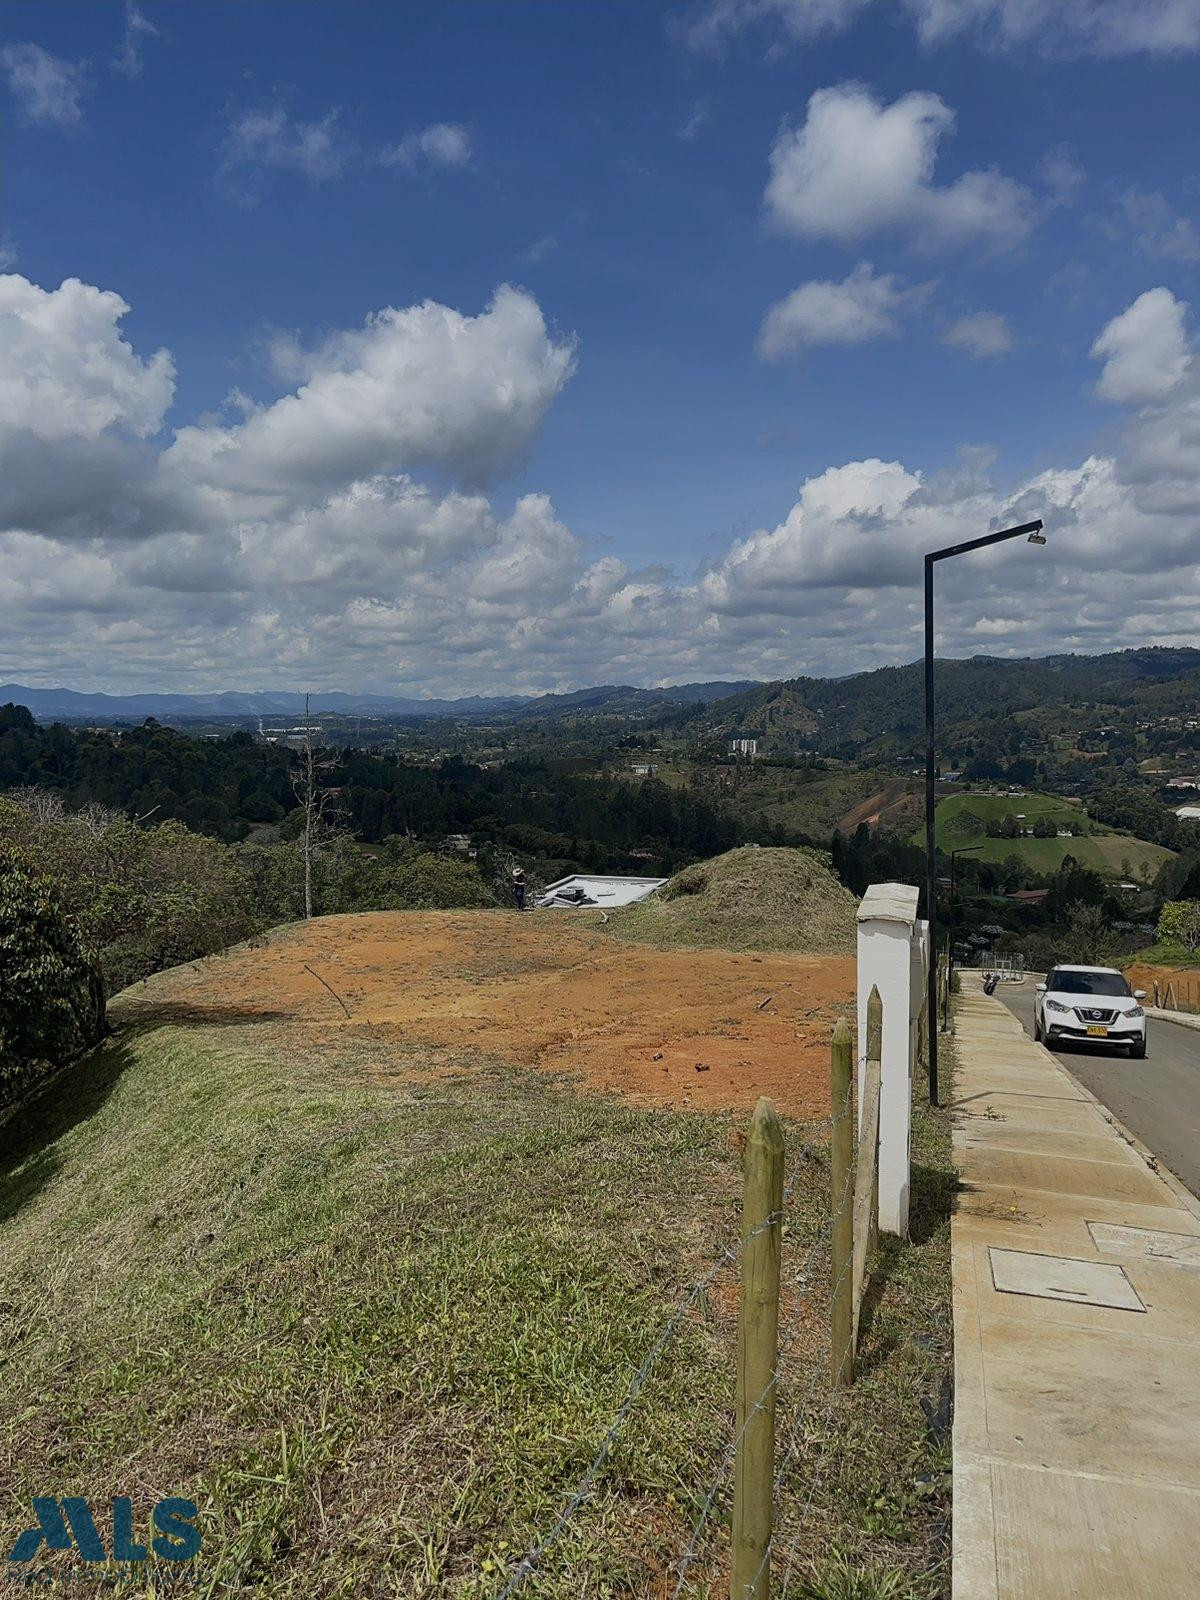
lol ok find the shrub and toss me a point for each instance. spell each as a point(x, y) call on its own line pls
point(141, 898)
point(424, 882)
point(51, 992)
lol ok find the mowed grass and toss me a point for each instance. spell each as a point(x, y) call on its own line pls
point(1113, 855)
point(378, 1330)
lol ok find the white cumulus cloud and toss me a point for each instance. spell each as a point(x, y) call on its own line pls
point(1145, 349)
point(858, 167)
point(298, 547)
point(861, 307)
point(422, 386)
point(66, 371)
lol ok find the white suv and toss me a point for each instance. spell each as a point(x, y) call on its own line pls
point(1092, 1004)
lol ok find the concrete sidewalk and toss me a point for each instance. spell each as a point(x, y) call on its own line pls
point(1077, 1402)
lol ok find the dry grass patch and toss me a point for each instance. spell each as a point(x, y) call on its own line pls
point(752, 898)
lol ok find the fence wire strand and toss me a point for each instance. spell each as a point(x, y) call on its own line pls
point(801, 1280)
point(583, 1489)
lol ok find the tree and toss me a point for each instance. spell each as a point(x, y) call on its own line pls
point(52, 1002)
point(1087, 942)
point(316, 805)
point(1179, 923)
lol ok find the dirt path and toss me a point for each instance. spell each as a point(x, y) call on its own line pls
point(686, 1028)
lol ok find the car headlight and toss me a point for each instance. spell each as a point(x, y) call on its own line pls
point(1135, 1011)
point(1055, 1005)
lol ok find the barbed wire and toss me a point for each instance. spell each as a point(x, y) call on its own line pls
point(729, 1254)
point(802, 1277)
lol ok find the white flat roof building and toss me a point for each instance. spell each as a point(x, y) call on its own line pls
point(597, 889)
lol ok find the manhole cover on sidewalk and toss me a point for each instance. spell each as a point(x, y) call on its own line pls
point(1089, 1283)
point(1151, 1243)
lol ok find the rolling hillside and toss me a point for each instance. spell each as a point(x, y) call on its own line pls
point(961, 821)
point(881, 713)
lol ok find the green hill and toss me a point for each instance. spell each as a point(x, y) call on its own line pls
point(961, 820)
point(881, 713)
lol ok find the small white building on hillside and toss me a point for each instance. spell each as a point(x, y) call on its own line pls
point(596, 889)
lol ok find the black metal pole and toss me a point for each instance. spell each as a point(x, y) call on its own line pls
point(1033, 529)
point(931, 1032)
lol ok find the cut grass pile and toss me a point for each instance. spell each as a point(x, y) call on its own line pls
point(748, 899)
point(378, 1329)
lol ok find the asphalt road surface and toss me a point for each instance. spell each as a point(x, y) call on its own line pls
point(1157, 1099)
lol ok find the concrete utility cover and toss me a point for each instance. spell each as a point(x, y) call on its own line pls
point(1089, 1283)
point(1150, 1243)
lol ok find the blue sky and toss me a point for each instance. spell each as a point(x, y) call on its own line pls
point(257, 178)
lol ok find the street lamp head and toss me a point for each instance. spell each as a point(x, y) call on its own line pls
point(1037, 536)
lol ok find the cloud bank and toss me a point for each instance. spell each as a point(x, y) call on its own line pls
point(299, 545)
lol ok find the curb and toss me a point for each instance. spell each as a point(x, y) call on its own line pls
point(1185, 1019)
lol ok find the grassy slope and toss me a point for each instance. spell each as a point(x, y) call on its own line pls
point(1101, 851)
point(813, 808)
point(378, 1330)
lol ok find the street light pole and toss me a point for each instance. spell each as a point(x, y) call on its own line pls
point(1034, 532)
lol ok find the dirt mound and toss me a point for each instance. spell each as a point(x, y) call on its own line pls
point(748, 899)
point(400, 994)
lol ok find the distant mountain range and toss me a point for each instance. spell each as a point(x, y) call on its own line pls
point(73, 705)
point(878, 713)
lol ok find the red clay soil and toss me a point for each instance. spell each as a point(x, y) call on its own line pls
point(1183, 982)
point(701, 1029)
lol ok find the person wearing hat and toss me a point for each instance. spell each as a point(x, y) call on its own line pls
point(519, 887)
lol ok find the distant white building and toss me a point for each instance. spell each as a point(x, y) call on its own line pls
point(743, 747)
point(596, 889)
point(1188, 813)
point(644, 769)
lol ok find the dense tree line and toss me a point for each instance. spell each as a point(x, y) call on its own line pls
point(1144, 814)
point(224, 787)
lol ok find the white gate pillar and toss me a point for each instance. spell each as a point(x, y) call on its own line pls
point(890, 958)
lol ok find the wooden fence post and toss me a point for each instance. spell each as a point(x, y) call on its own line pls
point(841, 1156)
point(758, 1350)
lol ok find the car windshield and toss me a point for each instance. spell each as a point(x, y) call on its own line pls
point(1064, 981)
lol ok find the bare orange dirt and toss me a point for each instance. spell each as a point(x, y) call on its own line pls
point(701, 1029)
point(1178, 987)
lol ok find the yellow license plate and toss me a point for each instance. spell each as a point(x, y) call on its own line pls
point(1098, 1033)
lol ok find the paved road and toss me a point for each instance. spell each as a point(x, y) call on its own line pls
point(1158, 1099)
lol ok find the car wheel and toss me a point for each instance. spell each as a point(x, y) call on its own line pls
point(1037, 1031)
point(1137, 1052)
